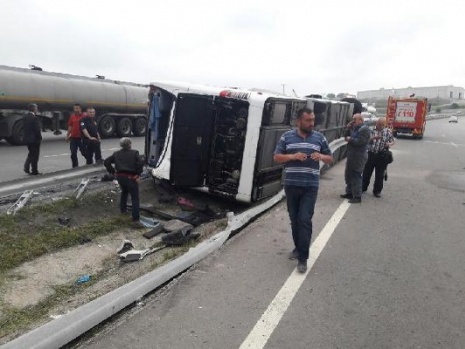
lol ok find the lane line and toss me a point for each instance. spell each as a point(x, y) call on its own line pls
point(265, 326)
point(456, 145)
point(67, 154)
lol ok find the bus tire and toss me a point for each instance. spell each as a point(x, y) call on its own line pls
point(139, 126)
point(124, 127)
point(106, 126)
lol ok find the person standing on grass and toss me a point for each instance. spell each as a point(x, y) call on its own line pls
point(301, 151)
point(128, 168)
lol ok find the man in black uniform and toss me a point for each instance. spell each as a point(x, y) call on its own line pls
point(128, 167)
point(90, 137)
point(32, 138)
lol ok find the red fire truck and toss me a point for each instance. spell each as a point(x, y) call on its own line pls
point(407, 116)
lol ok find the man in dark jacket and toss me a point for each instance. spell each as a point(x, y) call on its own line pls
point(128, 167)
point(32, 138)
point(90, 137)
point(357, 138)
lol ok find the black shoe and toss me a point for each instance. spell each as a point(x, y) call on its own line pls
point(35, 173)
point(27, 171)
point(302, 266)
point(378, 195)
point(346, 196)
point(355, 200)
point(293, 255)
point(137, 224)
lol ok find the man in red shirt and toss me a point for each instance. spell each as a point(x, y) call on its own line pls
point(74, 134)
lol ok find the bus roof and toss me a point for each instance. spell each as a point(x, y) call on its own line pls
point(236, 93)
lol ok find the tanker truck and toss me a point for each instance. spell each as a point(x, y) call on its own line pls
point(120, 107)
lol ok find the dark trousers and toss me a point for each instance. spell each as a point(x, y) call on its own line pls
point(353, 181)
point(92, 147)
point(377, 163)
point(301, 205)
point(129, 187)
point(32, 159)
point(75, 144)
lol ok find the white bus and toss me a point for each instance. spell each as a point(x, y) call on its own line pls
point(221, 140)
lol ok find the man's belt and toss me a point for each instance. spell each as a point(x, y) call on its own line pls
point(127, 175)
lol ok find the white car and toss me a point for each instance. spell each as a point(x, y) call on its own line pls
point(453, 118)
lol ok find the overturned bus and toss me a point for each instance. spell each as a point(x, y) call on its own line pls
point(221, 140)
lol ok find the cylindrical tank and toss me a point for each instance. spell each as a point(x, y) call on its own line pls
point(55, 91)
point(121, 106)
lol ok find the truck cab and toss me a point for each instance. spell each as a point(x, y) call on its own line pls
point(407, 116)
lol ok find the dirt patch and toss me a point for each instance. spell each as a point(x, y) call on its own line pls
point(43, 285)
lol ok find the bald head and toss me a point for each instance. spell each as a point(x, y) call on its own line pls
point(357, 119)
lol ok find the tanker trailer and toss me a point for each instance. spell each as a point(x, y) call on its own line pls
point(120, 106)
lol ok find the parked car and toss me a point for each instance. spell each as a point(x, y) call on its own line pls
point(453, 118)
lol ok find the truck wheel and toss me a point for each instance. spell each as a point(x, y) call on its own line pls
point(106, 126)
point(17, 134)
point(124, 128)
point(139, 127)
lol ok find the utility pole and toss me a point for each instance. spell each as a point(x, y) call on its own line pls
point(284, 88)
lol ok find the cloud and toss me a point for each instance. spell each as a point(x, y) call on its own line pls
point(335, 46)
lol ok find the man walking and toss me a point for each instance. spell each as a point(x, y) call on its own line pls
point(90, 137)
point(301, 150)
point(357, 138)
point(381, 140)
point(128, 167)
point(32, 138)
point(74, 134)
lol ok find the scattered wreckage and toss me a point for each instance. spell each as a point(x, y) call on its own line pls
point(176, 233)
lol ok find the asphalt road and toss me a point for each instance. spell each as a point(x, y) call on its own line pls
point(54, 155)
point(391, 274)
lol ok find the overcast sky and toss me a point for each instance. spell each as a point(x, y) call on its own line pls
point(310, 46)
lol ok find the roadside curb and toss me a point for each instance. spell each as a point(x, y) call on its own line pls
point(17, 186)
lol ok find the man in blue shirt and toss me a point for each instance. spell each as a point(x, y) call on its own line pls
point(301, 150)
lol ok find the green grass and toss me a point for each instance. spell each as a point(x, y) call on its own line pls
point(35, 231)
point(19, 246)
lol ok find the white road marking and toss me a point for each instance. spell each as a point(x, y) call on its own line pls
point(67, 154)
point(456, 145)
point(56, 155)
point(263, 329)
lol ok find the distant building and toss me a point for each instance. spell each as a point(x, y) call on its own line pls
point(449, 92)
